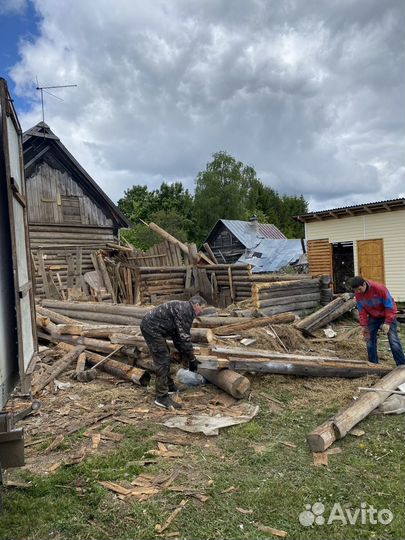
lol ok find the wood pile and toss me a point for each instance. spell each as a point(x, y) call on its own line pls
point(338, 307)
point(294, 296)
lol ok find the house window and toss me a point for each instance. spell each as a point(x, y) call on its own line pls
point(70, 209)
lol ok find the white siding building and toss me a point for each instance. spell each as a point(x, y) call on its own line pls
point(367, 240)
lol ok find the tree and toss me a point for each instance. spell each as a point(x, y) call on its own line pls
point(221, 191)
point(170, 206)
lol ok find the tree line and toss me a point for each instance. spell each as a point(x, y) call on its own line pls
point(226, 189)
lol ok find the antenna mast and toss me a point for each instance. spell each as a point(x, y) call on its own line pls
point(43, 89)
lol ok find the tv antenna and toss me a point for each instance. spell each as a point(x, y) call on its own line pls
point(45, 89)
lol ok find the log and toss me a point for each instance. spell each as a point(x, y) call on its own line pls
point(338, 312)
point(314, 368)
point(320, 439)
point(291, 300)
point(119, 369)
point(97, 307)
point(167, 236)
point(106, 318)
point(214, 322)
point(210, 253)
point(89, 343)
point(58, 368)
point(106, 277)
point(54, 316)
point(99, 331)
point(296, 307)
point(282, 318)
point(316, 317)
point(233, 383)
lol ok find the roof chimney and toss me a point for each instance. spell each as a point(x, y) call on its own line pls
point(254, 223)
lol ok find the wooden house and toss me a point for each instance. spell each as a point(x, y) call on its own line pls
point(69, 215)
point(365, 239)
point(230, 239)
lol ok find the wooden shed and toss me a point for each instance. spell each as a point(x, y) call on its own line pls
point(366, 239)
point(69, 215)
point(231, 238)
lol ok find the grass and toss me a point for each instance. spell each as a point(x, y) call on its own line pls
point(247, 467)
point(270, 479)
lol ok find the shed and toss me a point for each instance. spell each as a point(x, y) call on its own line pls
point(229, 238)
point(365, 239)
point(69, 215)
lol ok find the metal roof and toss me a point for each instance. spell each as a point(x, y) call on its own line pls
point(272, 254)
point(248, 235)
point(355, 210)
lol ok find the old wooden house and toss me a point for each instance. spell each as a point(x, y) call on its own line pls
point(69, 215)
point(366, 239)
point(230, 239)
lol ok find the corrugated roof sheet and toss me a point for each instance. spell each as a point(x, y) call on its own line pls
point(247, 234)
point(272, 254)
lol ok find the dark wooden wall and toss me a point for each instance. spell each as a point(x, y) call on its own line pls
point(226, 247)
point(63, 223)
point(55, 197)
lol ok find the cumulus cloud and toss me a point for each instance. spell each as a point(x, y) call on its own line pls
point(309, 93)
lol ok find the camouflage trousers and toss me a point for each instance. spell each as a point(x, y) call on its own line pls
point(159, 351)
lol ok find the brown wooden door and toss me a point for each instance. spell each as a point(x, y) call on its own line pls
point(320, 257)
point(371, 259)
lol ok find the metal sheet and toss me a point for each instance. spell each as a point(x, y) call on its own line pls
point(272, 255)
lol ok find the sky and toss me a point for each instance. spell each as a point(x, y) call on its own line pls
point(308, 92)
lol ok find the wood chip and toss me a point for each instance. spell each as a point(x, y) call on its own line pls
point(55, 443)
point(111, 436)
point(320, 458)
point(269, 530)
point(55, 466)
point(357, 432)
point(243, 510)
point(95, 440)
point(230, 489)
point(289, 444)
point(116, 488)
point(160, 528)
point(332, 451)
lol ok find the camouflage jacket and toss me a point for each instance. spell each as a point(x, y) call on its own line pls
point(172, 320)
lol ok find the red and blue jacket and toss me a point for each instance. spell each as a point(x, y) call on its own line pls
point(376, 302)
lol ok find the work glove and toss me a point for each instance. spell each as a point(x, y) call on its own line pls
point(366, 333)
point(193, 364)
point(385, 328)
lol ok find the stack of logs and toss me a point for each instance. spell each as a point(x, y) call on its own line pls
point(118, 334)
point(300, 295)
point(338, 307)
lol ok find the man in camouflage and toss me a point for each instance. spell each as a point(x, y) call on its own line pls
point(171, 320)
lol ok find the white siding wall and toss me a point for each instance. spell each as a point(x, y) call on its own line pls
point(390, 226)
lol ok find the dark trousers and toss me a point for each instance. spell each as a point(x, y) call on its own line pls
point(393, 338)
point(159, 351)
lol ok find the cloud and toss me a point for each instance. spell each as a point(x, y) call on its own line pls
point(12, 7)
point(311, 94)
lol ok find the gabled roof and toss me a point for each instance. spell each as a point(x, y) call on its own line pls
point(40, 141)
point(246, 232)
point(351, 211)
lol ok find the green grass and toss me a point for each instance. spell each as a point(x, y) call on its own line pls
point(269, 479)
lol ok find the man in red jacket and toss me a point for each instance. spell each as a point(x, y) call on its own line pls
point(377, 310)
